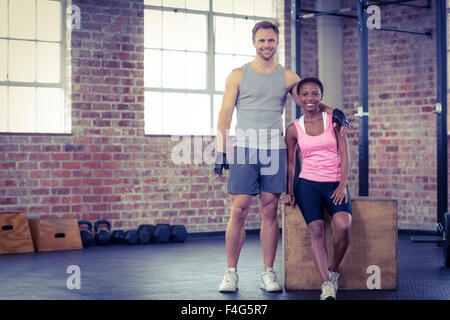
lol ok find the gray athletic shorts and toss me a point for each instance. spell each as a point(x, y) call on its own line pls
point(255, 170)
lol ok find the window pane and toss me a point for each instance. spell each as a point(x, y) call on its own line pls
point(22, 61)
point(3, 109)
point(152, 23)
point(241, 60)
point(153, 113)
point(264, 8)
point(3, 59)
point(174, 30)
point(22, 19)
point(243, 36)
point(174, 3)
point(225, 6)
point(152, 71)
point(197, 4)
point(217, 106)
point(152, 2)
point(196, 70)
point(49, 20)
point(198, 114)
point(224, 65)
point(48, 63)
point(196, 32)
point(173, 71)
point(174, 113)
point(224, 35)
point(246, 7)
point(22, 109)
point(50, 110)
point(3, 18)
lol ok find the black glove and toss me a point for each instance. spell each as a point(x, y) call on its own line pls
point(221, 163)
point(339, 118)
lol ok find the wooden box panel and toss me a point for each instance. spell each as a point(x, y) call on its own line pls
point(55, 234)
point(373, 243)
point(15, 236)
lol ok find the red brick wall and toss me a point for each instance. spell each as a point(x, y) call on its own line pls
point(107, 168)
point(402, 127)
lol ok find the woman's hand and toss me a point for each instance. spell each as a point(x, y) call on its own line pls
point(339, 194)
point(289, 199)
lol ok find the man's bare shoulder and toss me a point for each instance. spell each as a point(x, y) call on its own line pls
point(235, 77)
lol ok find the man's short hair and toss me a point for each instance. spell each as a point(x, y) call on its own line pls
point(265, 25)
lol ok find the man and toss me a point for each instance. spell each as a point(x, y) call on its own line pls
point(258, 90)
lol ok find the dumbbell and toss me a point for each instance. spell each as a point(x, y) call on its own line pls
point(161, 233)
point(86, 237)
point(131, 237)
point(144, 232)
point(102, 235)
point(178, 233)
point(118, 236)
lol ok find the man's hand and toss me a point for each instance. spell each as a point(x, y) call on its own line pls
point(221, 163)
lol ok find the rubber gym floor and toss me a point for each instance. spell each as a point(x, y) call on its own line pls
point(192, 271)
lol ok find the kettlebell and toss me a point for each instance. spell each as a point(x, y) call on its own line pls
point(86, 237)
point(102, 236)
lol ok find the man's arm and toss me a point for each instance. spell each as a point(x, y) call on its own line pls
point(227, 109)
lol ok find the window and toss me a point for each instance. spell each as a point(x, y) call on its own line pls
point(190, 48)
point(31, 67)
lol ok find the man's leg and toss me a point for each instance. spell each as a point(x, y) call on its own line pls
point(269, 240)
point(235, 234)
point(269, 227)
point(234, 238)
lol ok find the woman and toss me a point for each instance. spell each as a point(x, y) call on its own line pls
point(322, 181)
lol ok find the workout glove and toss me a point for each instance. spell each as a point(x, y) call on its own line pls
point(221, 163)
point(339, 118)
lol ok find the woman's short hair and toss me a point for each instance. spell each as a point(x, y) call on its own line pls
point(309, 80)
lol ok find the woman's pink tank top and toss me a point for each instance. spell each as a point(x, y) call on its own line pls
point(320, 155)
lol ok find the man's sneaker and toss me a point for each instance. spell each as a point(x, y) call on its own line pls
point(328, 291)
point(230, 281)
point(269, 281)
point(334, 278)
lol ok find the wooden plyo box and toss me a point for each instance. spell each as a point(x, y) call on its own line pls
point(55, 234)
point(15, 236)
point(372, 252)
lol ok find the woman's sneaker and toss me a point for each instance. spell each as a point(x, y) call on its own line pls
point(269, 281)
point(328, 291)
point(230, 281)
point(334, 278)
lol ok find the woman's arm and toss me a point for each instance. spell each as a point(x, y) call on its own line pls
point(340, 193)
point(291, 143)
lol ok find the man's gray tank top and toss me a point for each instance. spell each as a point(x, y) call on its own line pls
point(260, 106)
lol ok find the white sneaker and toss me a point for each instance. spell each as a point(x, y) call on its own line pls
point(230, 281)
point(334, 278)
point(328, 291)
point(269, 281)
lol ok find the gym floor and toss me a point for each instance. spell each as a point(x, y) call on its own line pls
point(192, 271)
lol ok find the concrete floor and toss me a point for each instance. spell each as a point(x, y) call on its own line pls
point(193, 271)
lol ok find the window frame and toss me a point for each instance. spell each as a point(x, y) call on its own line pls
point(211, 55)
point(36, 85)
